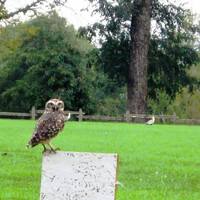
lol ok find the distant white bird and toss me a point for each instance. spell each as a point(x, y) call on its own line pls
point(151, 121)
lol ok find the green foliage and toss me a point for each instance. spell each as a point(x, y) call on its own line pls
point(155, 162)
point(108, 95)
point(3, 11)
point(114, 59)
point(50, 61)
point(113, 104)
point(159, 105)
point(186, 105)
point(170, 54)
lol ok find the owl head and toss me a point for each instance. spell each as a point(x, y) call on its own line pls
point(54, 105)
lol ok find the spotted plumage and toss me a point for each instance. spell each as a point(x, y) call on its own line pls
point(49, 124)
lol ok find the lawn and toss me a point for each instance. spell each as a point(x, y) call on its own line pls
point(155, 162)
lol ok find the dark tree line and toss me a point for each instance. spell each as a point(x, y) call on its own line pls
point(46, 57)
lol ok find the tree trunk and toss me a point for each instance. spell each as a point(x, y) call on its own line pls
point(140, 37)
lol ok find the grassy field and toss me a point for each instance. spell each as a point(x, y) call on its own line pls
point(155, 162)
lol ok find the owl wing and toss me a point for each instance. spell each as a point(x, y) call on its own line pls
point(48, 126)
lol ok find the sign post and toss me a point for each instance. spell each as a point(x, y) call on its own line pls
point(79, 176)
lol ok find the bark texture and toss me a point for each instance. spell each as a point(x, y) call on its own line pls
point(140, 37)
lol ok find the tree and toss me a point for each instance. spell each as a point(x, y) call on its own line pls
point(140, 38)
point(51, 62)
point(169, 53)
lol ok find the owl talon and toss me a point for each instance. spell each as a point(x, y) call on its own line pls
point(54, 150)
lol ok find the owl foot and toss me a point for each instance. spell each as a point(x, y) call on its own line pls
point(54, 150)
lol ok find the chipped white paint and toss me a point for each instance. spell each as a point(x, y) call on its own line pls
point(78, 176)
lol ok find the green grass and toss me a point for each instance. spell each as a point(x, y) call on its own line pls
point(155, 162)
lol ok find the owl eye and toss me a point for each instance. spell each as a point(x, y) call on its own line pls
point(51, 104)
point(59, 104)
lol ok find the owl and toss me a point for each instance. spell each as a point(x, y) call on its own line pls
point(49, 125)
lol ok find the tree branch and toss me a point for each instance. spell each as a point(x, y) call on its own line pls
point(29, 7)
point(3, 2)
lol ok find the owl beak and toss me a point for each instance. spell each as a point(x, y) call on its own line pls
point(56, 108)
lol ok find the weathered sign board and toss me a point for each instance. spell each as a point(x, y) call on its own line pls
point(79, 176)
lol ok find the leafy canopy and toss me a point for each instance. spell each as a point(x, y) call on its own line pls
point(50, 61)
point(171, 51)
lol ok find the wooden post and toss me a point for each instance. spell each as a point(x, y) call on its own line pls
point(163, 119)
point(174, 118)
point(80, 115)
point(127, 116)
point(33, 113)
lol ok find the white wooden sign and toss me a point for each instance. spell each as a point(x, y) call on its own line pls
point(79, 176)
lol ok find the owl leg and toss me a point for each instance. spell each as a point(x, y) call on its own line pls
point(45, 149)
point(53, 149)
